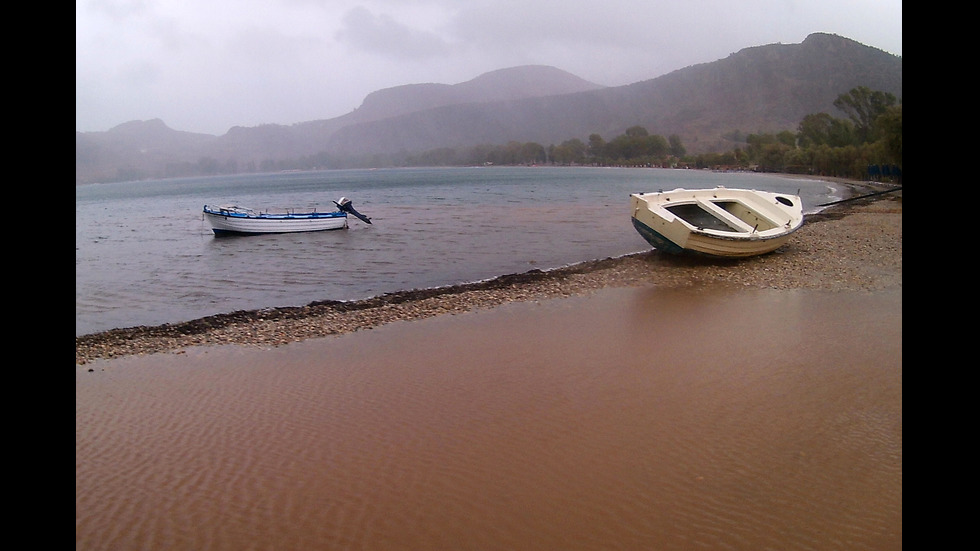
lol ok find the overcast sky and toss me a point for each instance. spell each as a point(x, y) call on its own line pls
point(208, 65)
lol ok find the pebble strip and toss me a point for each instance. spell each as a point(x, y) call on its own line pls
point(849, 247)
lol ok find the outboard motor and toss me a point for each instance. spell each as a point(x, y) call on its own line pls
point(345, 205)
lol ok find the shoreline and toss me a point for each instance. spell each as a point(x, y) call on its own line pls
point(852, 246)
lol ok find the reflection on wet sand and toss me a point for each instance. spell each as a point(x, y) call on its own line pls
point(636, 418)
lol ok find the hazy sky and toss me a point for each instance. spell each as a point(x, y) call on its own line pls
point(209, 65)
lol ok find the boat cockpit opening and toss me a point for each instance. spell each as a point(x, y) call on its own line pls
point(695, 215)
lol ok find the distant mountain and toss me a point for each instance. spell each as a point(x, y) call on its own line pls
point(149, 149)
point(759, 89)
point(764, 88)
point(505, 84)
point(310, 138)
point(133, 150)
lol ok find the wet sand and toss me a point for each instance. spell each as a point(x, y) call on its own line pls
point(719, 414)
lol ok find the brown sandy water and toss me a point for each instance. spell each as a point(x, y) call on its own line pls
point(629, 419)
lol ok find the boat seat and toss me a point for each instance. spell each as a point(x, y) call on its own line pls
point(728, 217)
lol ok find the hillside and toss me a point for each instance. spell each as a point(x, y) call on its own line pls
point(765, 88)
point(758, 89)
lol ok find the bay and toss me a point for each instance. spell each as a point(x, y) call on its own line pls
point(144, 255)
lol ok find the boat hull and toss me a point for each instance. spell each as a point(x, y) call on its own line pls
point(237, 221)
point(719, 222)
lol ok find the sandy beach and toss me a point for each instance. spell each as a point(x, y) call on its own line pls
point(852, 246)
point(644, 402)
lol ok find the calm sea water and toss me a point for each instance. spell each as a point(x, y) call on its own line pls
point(144, 255)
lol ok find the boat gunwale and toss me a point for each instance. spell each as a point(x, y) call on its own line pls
point(244, 213)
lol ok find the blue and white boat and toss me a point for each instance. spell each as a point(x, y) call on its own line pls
point(234, 219)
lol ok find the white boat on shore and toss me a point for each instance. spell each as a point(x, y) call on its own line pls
point(718, 222)
point(234, 219)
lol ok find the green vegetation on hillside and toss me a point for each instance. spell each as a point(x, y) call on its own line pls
point(866, 144)
point(870, 136)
